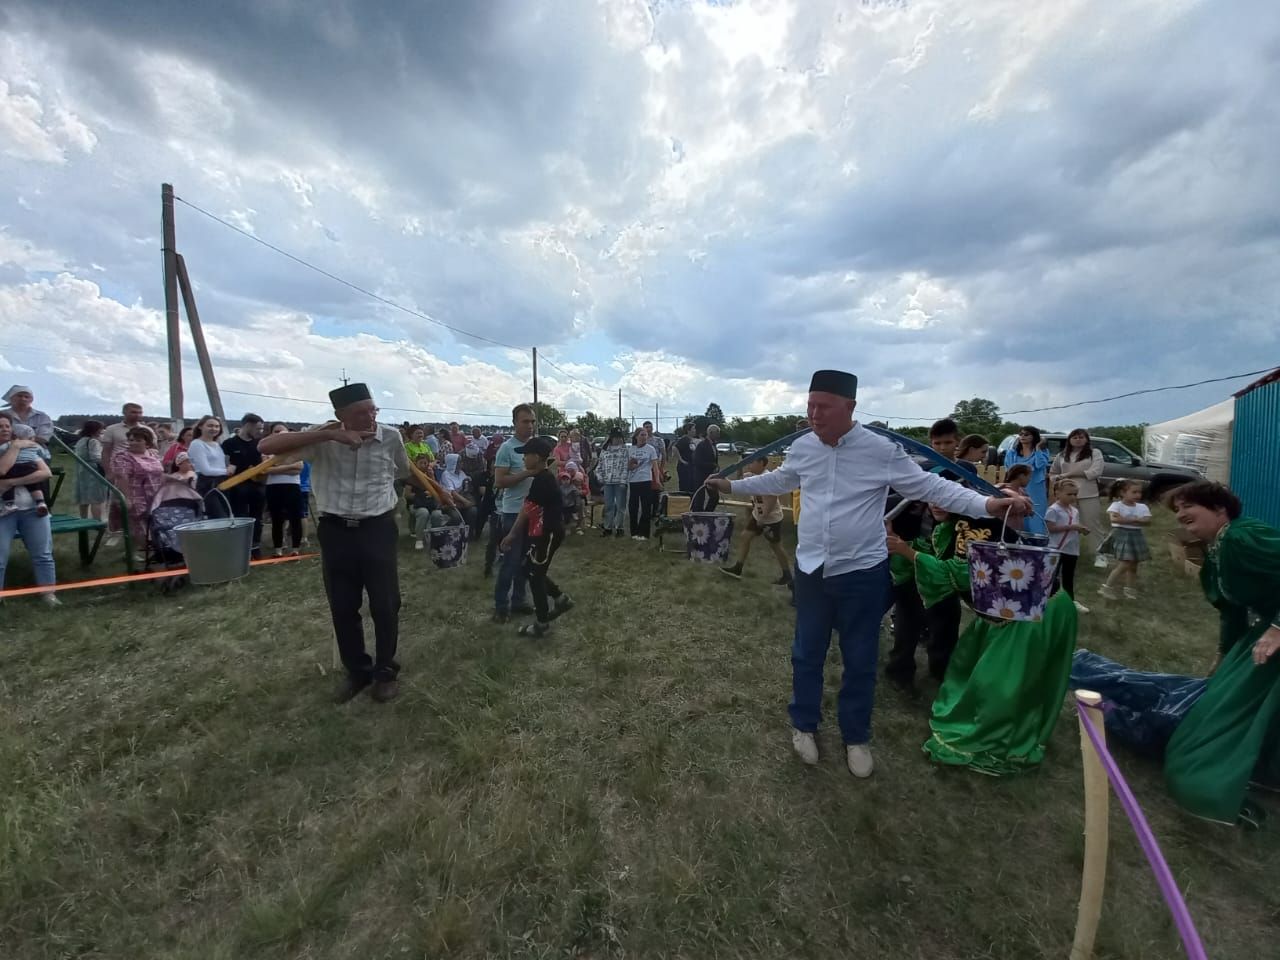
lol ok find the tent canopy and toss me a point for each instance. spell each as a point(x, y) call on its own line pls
point(1200, 440)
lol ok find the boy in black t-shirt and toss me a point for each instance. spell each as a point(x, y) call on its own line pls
point(541, 523)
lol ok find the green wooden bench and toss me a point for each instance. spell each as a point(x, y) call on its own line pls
point(90, 532)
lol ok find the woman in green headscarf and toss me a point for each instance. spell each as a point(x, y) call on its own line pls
point(1231, 737)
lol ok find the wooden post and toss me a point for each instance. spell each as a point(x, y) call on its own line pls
point(172, 323)
point(197, 337)
point(1097, 794)
point(535, 374)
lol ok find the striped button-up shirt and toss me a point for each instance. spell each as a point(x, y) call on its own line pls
point(358, 481)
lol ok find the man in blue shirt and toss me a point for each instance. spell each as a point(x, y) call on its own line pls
point(511, 481)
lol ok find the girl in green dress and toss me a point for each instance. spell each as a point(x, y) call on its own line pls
point(1004, 687)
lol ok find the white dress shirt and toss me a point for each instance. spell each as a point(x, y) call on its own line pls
point(843, 490)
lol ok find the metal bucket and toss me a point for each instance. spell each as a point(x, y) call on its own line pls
point(216, 550)
point(708, 536)
point(1010, 582)
point(448, 545)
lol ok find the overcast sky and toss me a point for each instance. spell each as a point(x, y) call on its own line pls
point(1033, 202)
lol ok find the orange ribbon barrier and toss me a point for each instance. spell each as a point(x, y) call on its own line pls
point(133, 578)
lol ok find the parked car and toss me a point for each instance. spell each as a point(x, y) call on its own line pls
point(1121, 463)
point(723, 448)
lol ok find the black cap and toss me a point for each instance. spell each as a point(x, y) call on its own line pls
point(538, 446)
point(349, 394)
point(835, 381)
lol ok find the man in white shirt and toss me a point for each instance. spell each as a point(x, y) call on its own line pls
point(844, 474)
point(354, 465)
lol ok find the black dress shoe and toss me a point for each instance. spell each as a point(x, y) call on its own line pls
point(384, 690)
point(349, 688)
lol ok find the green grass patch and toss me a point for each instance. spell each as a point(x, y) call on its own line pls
point(177, 784)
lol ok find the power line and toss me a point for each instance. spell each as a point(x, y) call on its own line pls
point(576, 379)
point(381, 299)
point(1138, 393)
point(346, 283)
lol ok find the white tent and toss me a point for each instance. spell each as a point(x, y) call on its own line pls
point(1201, 440)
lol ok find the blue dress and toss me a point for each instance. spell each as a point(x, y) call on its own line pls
point(1036, 490)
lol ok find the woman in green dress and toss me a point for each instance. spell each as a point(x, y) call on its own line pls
point(1230, 738)
point(1004, 687)
point(1221, 735)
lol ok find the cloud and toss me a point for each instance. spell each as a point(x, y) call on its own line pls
point(691, 201)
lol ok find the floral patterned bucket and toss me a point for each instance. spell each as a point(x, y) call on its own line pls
point(448, 545)
point(708, 536)
point(1010, 581)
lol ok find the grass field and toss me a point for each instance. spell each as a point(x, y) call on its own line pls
point(176, 783)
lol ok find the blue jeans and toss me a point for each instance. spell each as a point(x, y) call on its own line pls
point(36, 534)
point(511, 580)
point(615, 505)
point(853, 604)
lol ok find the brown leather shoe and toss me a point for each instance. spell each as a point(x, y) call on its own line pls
point(349, 688)
point(384, 690)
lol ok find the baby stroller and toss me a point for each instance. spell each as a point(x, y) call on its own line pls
point(175, 503)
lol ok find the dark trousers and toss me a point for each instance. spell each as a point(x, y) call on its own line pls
point(910, 629)
point(640, 508)
point(356, 560)
point(537, 568)
point(943, 620)
point(1066, 574)
point(247, 501)
point(852, 604)
point(684, 475)
point(705, 499)
point(284, 504)
point(495, 535)
point(215, 507)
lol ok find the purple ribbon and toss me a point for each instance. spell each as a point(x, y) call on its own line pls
point(1147, 840)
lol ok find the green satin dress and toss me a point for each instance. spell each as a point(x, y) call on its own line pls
point(1003, 691)
point(1232, 735)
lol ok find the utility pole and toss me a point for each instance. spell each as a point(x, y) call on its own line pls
point(197, 338)
point(343, 378)
point(619, 403)
point(535, 374)
point(172, 326)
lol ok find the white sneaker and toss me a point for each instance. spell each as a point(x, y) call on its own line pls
point(858, 757)
point(1130, 593)
point(806, 745)
point(1100, 562)
point(1081, 608)
point(1106, 591)
point(419, 545)
point(50, 600)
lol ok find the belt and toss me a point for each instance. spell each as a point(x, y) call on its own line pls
point(354, 521)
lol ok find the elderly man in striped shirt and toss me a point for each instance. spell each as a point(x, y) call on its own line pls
point(354, 465)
